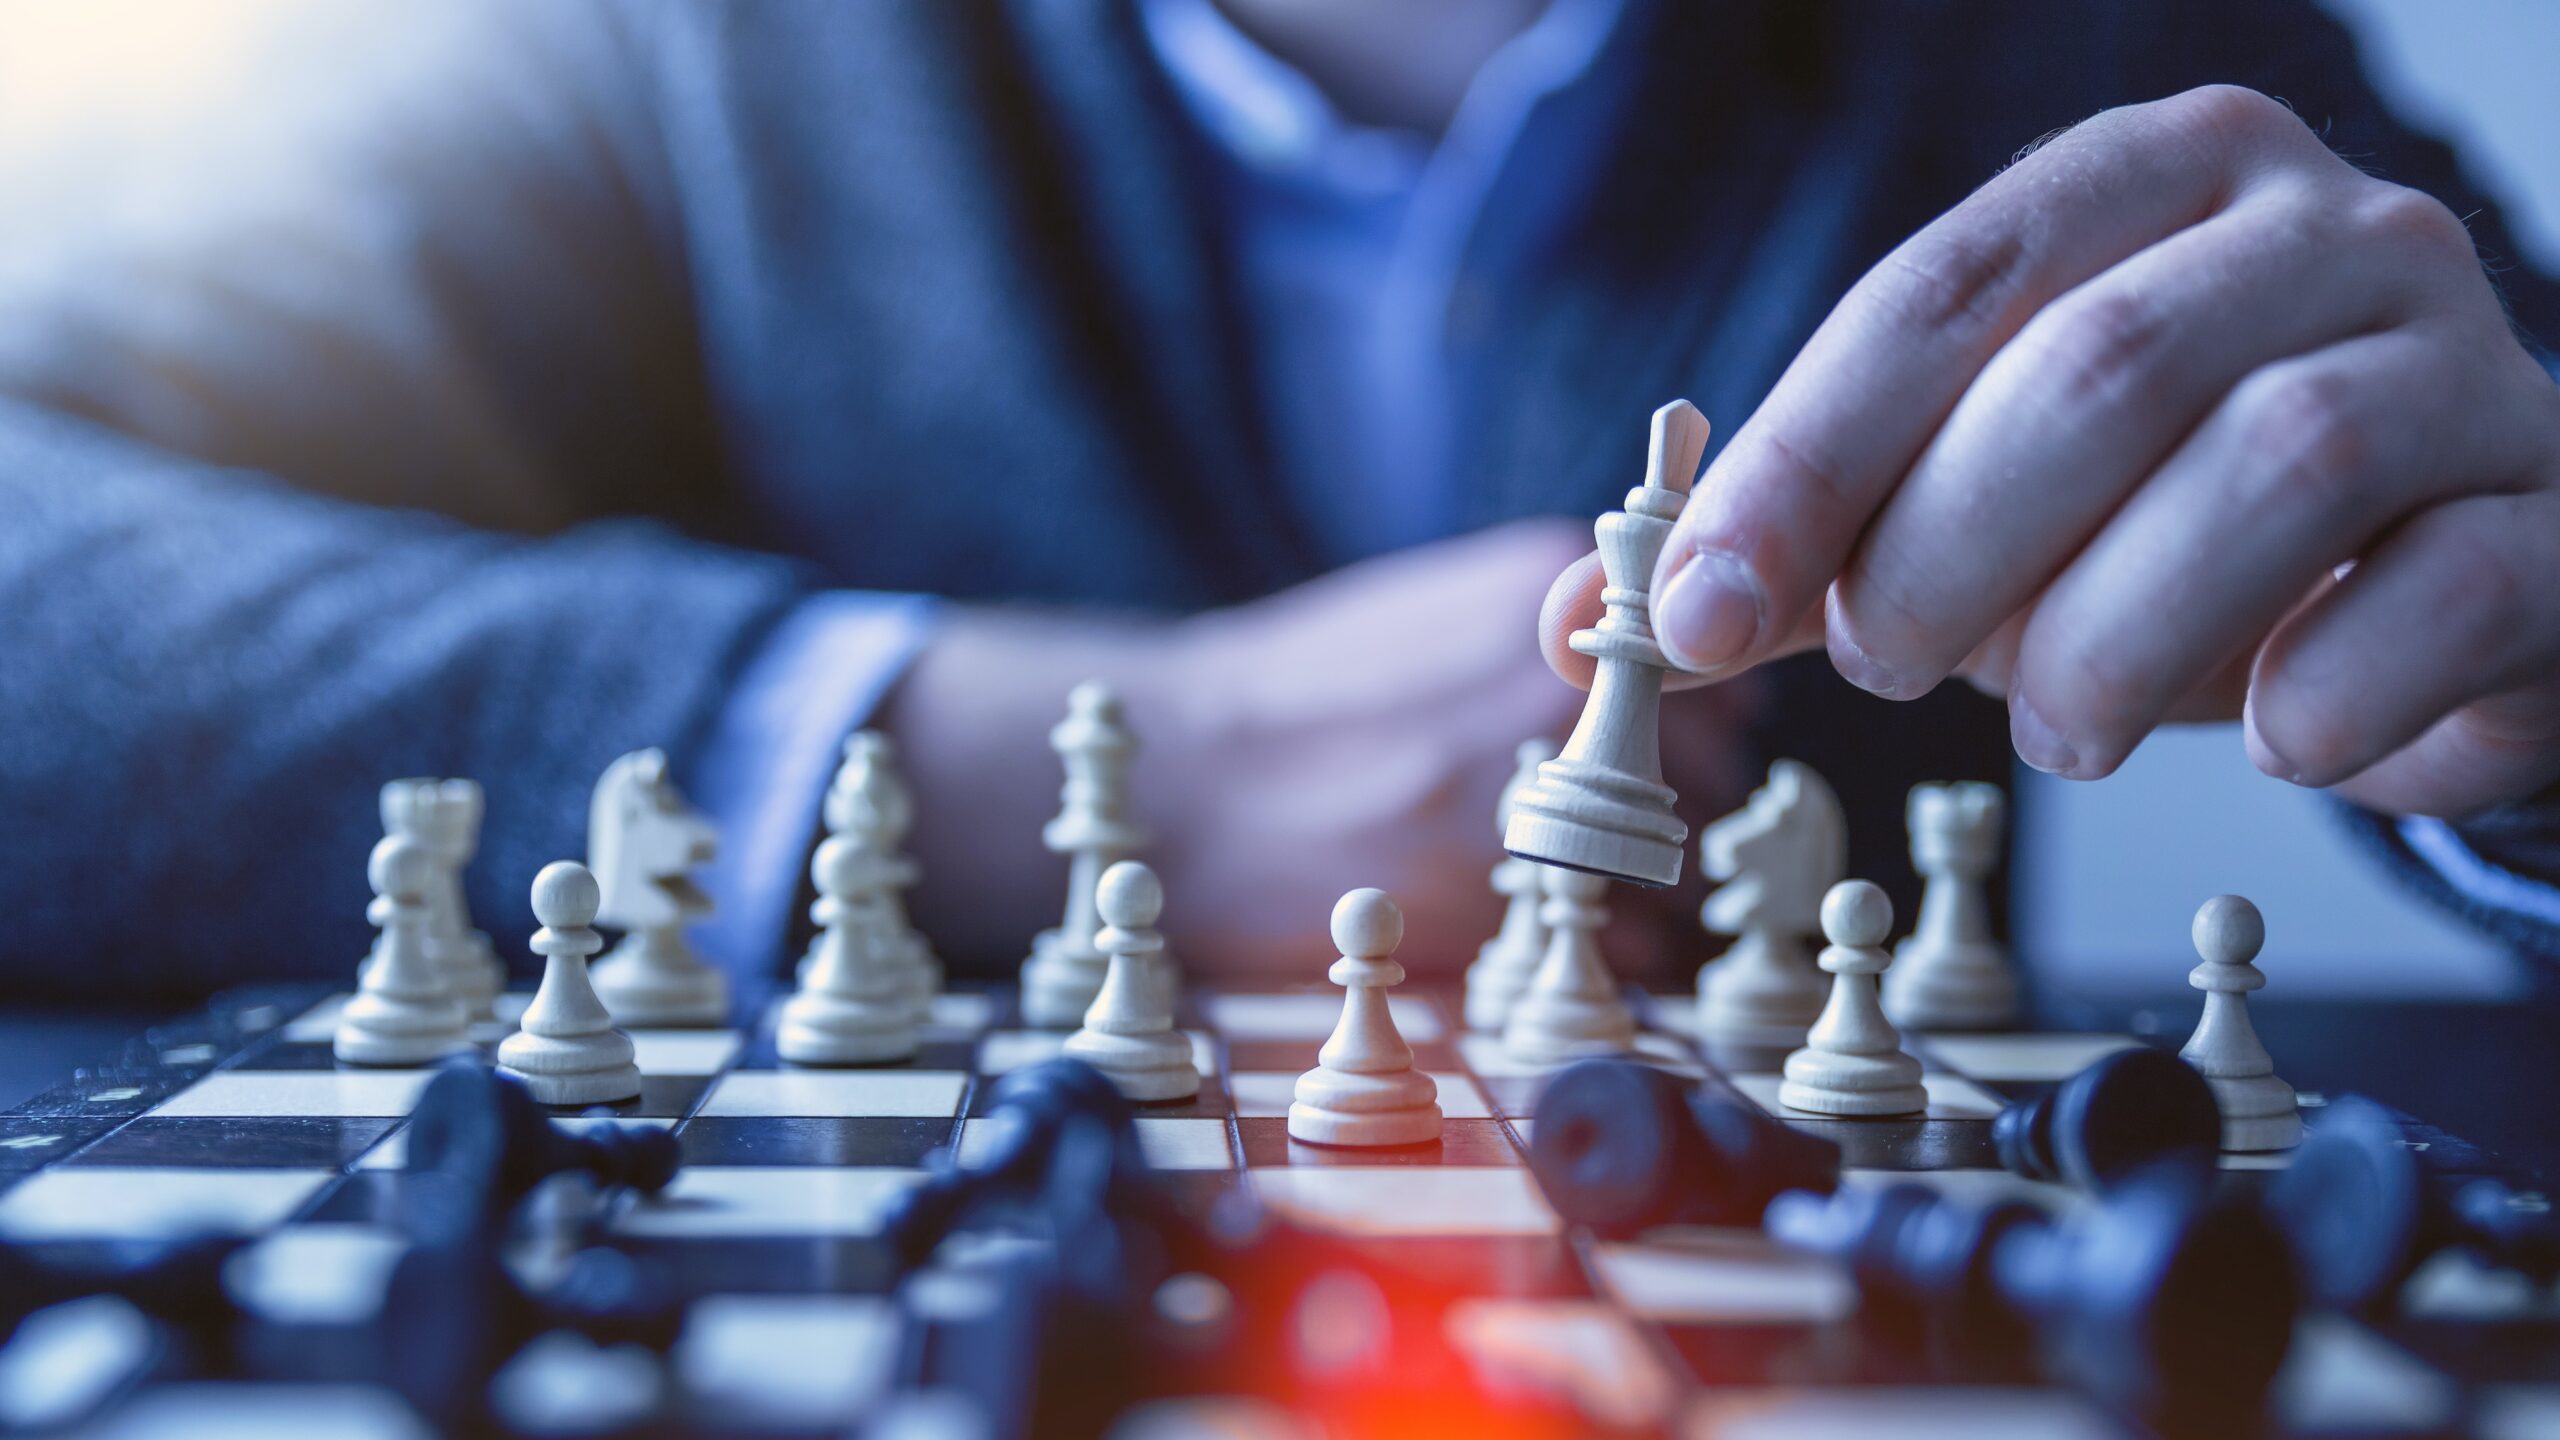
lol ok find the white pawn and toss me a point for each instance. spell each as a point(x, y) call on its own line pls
point(566, 1050)
point(1128, 1034)
point(403, 1013)
point(1853, 1062)
point(1951, 974)
point(1094, 831)
point(1572, 1007)
point(1503, 966)
point(1364, 1089)
point(444, 816)
point(854, 1005)
point(2258, 1110)
point(868, 800)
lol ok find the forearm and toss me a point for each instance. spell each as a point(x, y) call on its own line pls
point(209, 675)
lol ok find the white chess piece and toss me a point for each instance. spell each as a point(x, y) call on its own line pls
point(2259, 1111)
point(403, 1013)
point(444, 816)
point(1601, 804)
point(854, 1005)
point(643, 842)
point(1572, 1007)
point(1952, 974)
point(1094, 830)
point(566, 1049)
point(1777, 856)
point(1364, 1089)
point(868, 799)
point(1128, 1034)
point(1853, 1062)
point(1504, 964)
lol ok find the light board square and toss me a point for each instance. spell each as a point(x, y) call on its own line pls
point(326, 1274)
point(1408, 1200)
point(1311, 1015)
point(748, 1200)
point(1168, 1142)
point(153, 1202)
point(836, 1093)
point(1579, 1352)
point(299, 1092)
point(2024, 1057)
point(810, 1362)
point(683, 1052)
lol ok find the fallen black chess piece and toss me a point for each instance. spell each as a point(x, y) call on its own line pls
point(2362, 1210)
point(2168, 1302)
point(2117, 1117)
point(486, 1130)
point(1621, 1147)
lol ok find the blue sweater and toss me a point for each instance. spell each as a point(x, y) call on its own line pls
point(487, 413)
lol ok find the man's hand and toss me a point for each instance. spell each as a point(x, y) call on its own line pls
point(1353, 731)
point(2105, 438)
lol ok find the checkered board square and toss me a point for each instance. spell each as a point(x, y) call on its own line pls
point(239, 1120)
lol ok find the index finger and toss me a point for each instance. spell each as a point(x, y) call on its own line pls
point(1775, 518)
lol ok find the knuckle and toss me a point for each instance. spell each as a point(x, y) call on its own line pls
point(2304, 439)
point(2414, 220)
point(2229, 114)
point(2107, 346)
point(2086, 694)
point(1948, 280)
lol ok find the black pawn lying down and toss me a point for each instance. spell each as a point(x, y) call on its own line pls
point(1622, 1147)
point(2362, 1211)
point(486, 1130)
point(2128, 1111)
point(2162, 1300)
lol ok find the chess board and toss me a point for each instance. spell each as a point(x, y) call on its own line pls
point(239, 1120)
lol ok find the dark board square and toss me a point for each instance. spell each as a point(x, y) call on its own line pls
point(364, 1197)
point(1462, 1142)
point(662, 1097)
point(1907, 1144)
point(786, 1140)
point(33, 1142)
point(1212, 1103)
point(290, 1142)
point(945, 1053)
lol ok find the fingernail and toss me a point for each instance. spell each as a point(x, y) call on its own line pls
point(1862, 669)
point(1709, 612)
point(2037, 742)
point(2269, 760)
